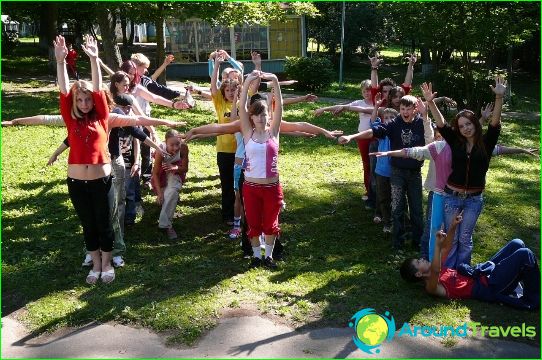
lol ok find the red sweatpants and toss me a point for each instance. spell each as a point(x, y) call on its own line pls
point(262, 207)
point(363, 146)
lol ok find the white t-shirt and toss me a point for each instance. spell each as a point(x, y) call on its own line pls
point(364, 119)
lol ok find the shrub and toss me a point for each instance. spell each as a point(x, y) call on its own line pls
point(10, 39)
point(312, 74)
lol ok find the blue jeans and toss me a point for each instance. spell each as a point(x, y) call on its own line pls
point(131, 183)
point(514, 263)
point(424, 248)
point(409, 182)
point(461, 250)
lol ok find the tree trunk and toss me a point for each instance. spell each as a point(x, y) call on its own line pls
point(160, 47)
point(132, 33)
point(123, 26)
point(48, 31)
point(111, 51)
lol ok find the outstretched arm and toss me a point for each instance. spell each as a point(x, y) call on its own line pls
point(298, 99)
point(345, 139)
point(117, 120)
point(213, 130)
point(305, 127)
point(55, 120)
point(61, 71)
point(509, 150)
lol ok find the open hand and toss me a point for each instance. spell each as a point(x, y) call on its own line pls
point(486, 112)
point(52, 159)
point(311, 98)
point(427, 91)
point(411, 59)
point(378, 99)
point(500, 86)
point(256, 58)
point(90, 47)
point(169, 59)
point(61, 51)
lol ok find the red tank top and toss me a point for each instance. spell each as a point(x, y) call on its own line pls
point(87, 136)
point(457, 286)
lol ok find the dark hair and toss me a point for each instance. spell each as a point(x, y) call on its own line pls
point(408, 271)
point(116, 78)
point(257, 97)
point(391, 94)
point(408, 100)
point(128, 65)
point(386, 82)
point(123, 100)
point(478, 133)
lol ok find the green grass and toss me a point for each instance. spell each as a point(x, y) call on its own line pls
point(337, 260)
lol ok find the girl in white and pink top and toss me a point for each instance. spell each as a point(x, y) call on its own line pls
point(262, 193)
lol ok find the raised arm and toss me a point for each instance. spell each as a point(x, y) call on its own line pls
point(410, 70)
point(61, 71)
point(277, 106)
point(499, 89)
point(378, 102)
point(214, 75)
point(169, 58)
point(91, 49)
point(246, 128)
point(429, 95)
point(428, 132)
point(443, 244)
point(375, 62)
point(257, 61)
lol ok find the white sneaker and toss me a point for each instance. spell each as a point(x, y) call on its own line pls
point(87, 261)
point(118, 261)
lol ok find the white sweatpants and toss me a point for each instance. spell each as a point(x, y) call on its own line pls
point(171, 197)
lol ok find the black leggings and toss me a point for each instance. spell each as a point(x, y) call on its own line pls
point(225, 163)
point(93, 201)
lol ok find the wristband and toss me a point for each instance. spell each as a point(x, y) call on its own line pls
point(374, 68)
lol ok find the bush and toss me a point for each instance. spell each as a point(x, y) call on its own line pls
point(312, 74)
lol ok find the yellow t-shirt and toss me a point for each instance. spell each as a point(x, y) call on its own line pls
point(224, 143)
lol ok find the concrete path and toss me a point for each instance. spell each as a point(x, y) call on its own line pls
point(244, 337)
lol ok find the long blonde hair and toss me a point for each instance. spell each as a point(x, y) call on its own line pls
point(77, 87)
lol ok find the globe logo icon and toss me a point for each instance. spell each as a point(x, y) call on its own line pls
point(372, 329)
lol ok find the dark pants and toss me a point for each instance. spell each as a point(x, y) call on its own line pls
point(132, 187)
point(146, 161)
point(383, 194)
point(93, 201)
point(225, 163)
point(409, 182)
point(514, 263)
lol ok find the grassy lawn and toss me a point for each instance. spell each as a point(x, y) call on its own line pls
point(337, 261)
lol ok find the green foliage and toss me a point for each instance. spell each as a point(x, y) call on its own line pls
point(313, 74)
point(469, 89)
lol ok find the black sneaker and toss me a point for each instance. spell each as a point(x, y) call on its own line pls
point(269, 263)
point(255, 263)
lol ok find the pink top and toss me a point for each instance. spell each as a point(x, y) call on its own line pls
point(262, 159)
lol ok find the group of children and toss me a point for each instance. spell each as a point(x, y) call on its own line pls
point(104, 163)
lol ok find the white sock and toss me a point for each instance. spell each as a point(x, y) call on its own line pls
point(257, 252)
point(269, 251)
point(236, 222)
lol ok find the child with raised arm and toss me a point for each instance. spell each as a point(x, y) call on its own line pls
point(495, 280)
point(471, 152)
point(168, 177)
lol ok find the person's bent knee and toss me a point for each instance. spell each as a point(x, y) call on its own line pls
point(518, 243)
